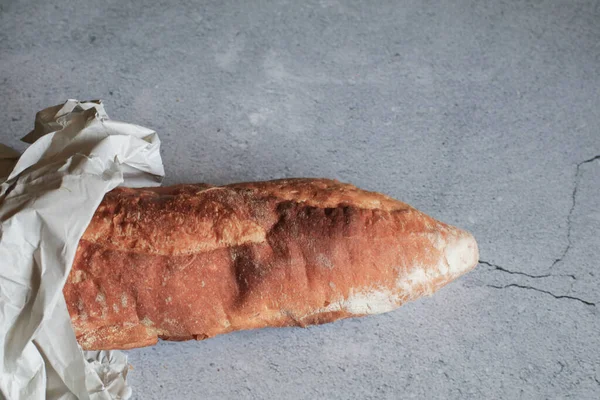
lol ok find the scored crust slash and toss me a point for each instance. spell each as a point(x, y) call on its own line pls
point(194, 261)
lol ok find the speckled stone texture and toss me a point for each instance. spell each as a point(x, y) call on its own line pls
point(485, 115)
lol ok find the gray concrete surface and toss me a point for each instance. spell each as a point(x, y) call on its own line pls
point(485, 115)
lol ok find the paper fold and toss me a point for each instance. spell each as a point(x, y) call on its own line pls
point(77, 154)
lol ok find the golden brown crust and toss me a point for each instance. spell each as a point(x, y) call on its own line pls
point(195, 261)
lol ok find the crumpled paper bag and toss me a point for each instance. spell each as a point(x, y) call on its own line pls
point(77, 154)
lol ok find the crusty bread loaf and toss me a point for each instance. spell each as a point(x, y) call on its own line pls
point(195, 261)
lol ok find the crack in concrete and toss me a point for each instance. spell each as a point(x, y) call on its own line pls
point(544, 291)
point(559, 259)
point(502, 269)
point(573, 202)
point(562, 367)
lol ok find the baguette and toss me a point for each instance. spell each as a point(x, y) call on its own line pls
point(195, 261)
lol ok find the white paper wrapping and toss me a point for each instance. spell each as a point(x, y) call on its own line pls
point(46, 202)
